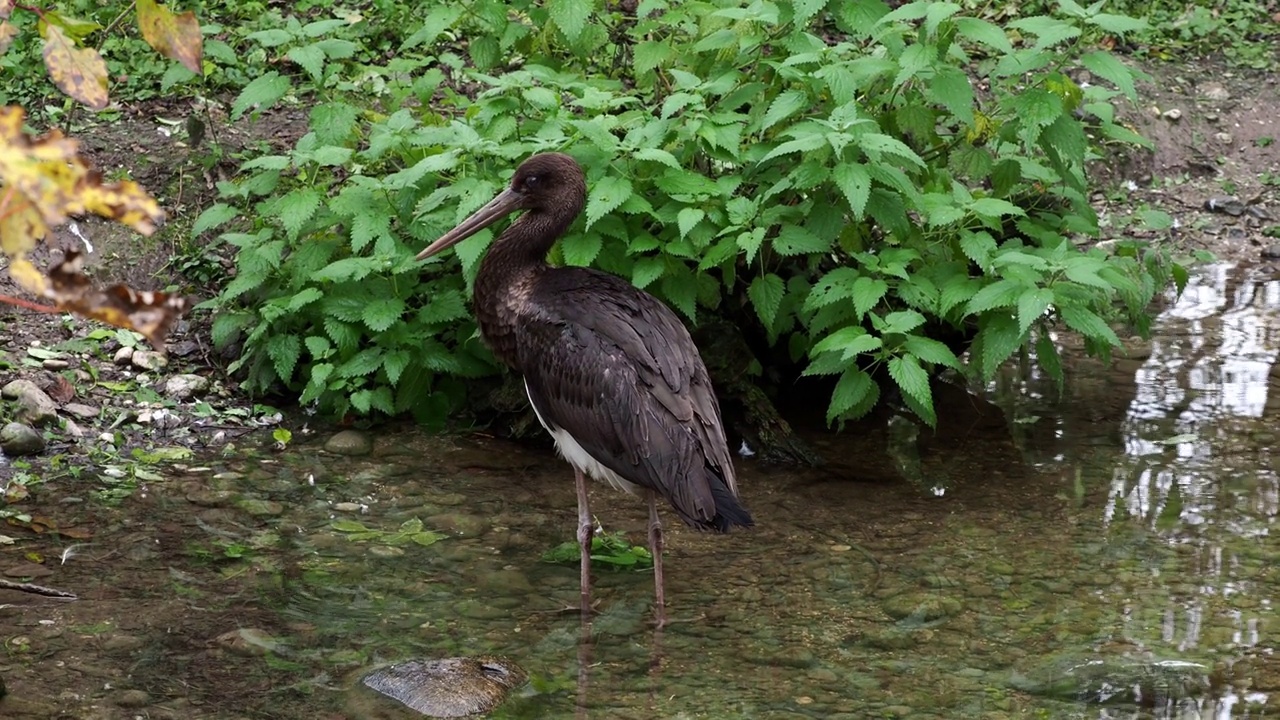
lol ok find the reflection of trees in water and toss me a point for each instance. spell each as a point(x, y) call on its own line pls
point(1210, 498)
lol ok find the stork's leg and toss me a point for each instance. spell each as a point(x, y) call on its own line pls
point(584, 540)
point(655, 547)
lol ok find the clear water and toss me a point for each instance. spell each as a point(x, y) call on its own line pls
point(1112, 557)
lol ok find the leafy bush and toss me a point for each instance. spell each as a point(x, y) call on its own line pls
point(864, 184)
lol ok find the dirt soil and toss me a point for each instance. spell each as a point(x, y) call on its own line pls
point(1214, 131)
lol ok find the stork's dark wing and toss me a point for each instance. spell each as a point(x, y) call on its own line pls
point(617, 370)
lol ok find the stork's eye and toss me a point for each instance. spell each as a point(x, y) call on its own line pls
point(531, 182)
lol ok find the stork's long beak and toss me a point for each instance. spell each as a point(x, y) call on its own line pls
point(507, 202)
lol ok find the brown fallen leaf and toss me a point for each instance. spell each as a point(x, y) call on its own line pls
point(150, 313)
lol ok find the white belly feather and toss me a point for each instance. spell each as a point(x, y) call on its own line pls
point(578, 457)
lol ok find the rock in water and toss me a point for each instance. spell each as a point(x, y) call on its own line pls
point(18, 439)
point(349, 442)
point(449, 688)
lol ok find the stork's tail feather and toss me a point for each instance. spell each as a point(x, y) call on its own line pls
point(729, 509)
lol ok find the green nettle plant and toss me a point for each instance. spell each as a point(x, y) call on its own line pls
point(877, 189)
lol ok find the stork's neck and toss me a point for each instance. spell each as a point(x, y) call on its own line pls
point(508, 272)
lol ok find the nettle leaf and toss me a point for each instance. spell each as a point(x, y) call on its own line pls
point(1032, 305)
point(914, 383)
point(367, 227)
point(795, 240)
point(801, 144)
point(1109, 67)
point(304, 297)
point(875, 143)
point(343, 334)
point(647, 269)
point(957, 290)
point(784, 106)
point(848, 341)
point(766, 293)
point(656, 155)
point(867, 292)
point(214, 216)
point(1087, 323)
point(261, 93)
point(750, 242)
point(284, 351)
point(1047, 356)
point(999, 338)
point(950, 86)
point(296, 208)
point(651, 54)
point(1084, 270)
point(352, 268)
point(981, 31)
point(318, 346)
point(365, 362)
point(1001, 293)
point(687, 218)
point(836, 285)
point(581, 249)
point(854, 395)
point(994, 207)
point(310, 58)
point(443, 306)
point(394, 364)
point(681, 291)
point(381, 313)
point(805, 10)
point(570, 16)
point(931, 351)
point(901, 321)
point(854, 181)
point(978, 247)
point(1117, 24)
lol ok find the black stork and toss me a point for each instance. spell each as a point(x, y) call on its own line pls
point(611, 372)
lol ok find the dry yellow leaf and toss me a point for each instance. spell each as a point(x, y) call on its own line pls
point(52, 176)
point(177, 37)
point(78, 72)
point(21, 225)
point(28, 277)
point(6, 7)
point(7, 33)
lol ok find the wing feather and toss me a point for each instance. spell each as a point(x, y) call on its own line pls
point(617, 370)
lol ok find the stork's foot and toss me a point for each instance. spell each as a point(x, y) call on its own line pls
point(667, 620)
point(570, 609)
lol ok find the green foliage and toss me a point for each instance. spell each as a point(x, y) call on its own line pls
point(828, 171)
point(610, 550)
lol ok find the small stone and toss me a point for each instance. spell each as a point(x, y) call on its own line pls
point(1224, 138)
point(35, 407)
point(55, 364)
point(148, 360)
point(109, 438)
point(349, 507)
point(1215, 91)
point(1271, 252)
point(1173, 115)
point(17, 439)
point(261, 508)
point(122, 643)
point(349, 442)
point(210, 498)
point(132, 699)
point(182, 387)
point(28, 570)
point(80, 410)
point(922, 606)
point(458, 523)
point(249, 642)
point(123, 356)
